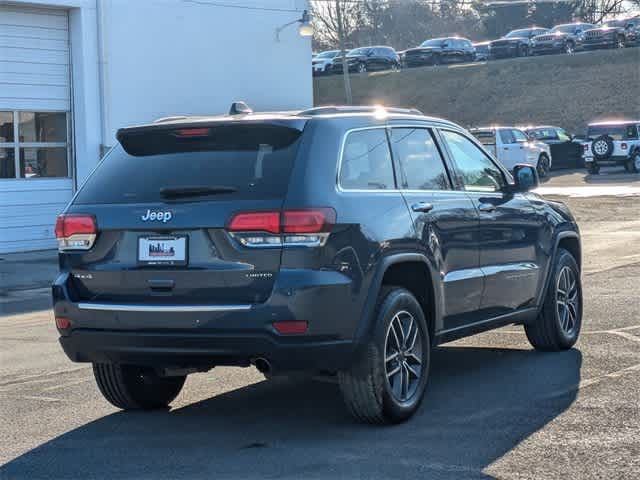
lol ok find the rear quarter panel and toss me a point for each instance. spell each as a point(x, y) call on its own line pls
point(369, 226)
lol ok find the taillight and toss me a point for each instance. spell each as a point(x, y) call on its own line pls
point(75, 231)
point(586, 147)
point(315, 220)
point(191, 132)
point(308, 227)
point(255, 222)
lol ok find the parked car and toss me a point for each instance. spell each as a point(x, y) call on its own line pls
point(481, 51)
point(613, 143)
point(511, 146)
point(298, 243)
point(440, 50)
point(367, 59)
point(561, 38)
point(516, 43)
point(613, 34)
point(323, 62)
point(566, 151)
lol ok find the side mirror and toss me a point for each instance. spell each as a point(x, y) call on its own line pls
point(526, 178)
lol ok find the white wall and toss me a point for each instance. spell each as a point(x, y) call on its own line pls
point(159, 57)
point(167, 57)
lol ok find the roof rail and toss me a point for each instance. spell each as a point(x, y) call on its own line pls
point(170, 118)
point(357, 109)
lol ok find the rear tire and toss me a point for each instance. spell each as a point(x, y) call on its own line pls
point(131, 387)
point(558, 324)
point(632, 165)
point(387, 381)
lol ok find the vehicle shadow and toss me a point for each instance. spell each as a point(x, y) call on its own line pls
point(481, 403)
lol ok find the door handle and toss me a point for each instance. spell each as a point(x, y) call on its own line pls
point(506, 148)
point(486, 207)
point(422, 207)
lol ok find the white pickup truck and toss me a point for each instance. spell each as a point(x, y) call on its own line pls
point(512, 146)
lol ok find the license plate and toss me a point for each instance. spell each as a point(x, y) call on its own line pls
point(162, 250)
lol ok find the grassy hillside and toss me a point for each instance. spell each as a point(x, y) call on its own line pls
point(563, 90)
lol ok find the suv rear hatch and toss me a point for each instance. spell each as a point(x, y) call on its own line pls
point(163, 201)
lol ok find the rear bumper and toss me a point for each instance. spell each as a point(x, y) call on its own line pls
point(205, 349)
point(613, 160)
point(166, 335)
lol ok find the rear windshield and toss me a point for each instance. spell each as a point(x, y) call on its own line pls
point(486, 138)
point(256, 163)
point(617, 132)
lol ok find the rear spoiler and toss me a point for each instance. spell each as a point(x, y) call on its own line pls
point(201, 135)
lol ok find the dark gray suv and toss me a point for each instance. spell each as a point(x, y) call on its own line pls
point(337, 241)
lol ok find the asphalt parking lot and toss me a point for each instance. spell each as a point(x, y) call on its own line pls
point(494, 407)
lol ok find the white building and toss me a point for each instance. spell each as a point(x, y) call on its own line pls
point(73, 71)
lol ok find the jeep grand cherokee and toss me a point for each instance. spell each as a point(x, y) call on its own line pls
point(344, 241)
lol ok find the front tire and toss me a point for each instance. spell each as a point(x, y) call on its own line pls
point(387, 381)
point(558, 324)
point(132, 387)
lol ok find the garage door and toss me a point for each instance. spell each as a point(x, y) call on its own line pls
point(35, 133)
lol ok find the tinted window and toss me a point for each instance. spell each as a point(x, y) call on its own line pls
point(244, 161)
point(564, 136)
point(506, 136)
point(366, 161)
point(419, 159)
point(519, 136)
point(543, 134)
point(435, 42)
point(478, 173)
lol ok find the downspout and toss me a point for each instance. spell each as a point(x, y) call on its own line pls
point(103, 67)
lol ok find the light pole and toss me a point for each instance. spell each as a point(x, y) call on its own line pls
point(343, 55)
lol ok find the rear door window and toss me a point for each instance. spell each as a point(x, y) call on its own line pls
point(366, 161)
point(420, 161)
point(252, 162)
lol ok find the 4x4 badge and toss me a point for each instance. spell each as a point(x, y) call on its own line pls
point(163, 217)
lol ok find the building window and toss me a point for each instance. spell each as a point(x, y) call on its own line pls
point(34, 144)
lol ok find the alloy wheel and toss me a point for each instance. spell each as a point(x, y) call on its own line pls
point(601, 147)
point(567, 300)
point(636, 162)
point(403, 356)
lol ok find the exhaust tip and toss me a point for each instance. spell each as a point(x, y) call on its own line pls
point(263, 366)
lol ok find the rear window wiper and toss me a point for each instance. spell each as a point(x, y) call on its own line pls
point(195, 191)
